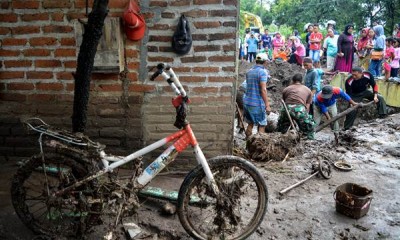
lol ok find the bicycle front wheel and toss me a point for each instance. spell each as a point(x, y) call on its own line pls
point(238, 209)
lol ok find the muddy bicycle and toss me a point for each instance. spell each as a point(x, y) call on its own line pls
point(70, 186)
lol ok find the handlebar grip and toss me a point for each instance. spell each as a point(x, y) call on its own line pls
point(160, 69)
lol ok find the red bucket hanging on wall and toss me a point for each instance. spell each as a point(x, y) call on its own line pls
point(135, 25)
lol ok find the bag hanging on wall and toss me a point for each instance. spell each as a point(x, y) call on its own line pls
point(182, 38)
point(135, 24)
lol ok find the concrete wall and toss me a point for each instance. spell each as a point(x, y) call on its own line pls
point(38, 56)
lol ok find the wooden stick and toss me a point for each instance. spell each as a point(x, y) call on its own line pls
point(290, 118)
point(342, 114)
point(240, 117)
point(286, 157)
point(297, 184)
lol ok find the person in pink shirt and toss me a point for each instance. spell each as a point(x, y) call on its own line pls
point(394, 65)
point(299, 53)
point(389, 56)
point(277, 43)
point(315, 43)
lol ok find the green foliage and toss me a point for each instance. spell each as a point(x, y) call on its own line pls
point(294, 14)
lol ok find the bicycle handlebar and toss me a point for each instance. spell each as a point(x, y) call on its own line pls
point(170, 76)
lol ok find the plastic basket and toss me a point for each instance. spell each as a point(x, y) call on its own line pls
point(352, 200)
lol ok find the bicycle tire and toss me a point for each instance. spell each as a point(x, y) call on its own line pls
point(226, 221)
point(66, 215)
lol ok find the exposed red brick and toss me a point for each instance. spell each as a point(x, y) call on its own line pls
point(160, 59)
point(122, 4)
point(39, 75)
point(160, 38)
point(192, 79)
point(182, 69)
point(4, 5)
point(103, 76)
point(193, 59)
point(25, 30)
point(68, 41)
point(47, 63)
point(65, 76)
point(4, 30)
point(74, 15)
point(196, 13)
point(2, 86)
point(70, 64)
point(142, 88)
point(133, 65)
point(58, 16)
point(43, 41)
point(152, 48)
point(41, 97)
point(82, 3)
point(116, 14)
point(160, 27)
point(229, 69)
point(221, 58)
point(14, 41)
point(109, 88)
point(229, 24)
point(70, 87)
point(8, 17)
point(222, 36)
point(9, 53)
point(202, 25)
point(131, 53)
point(207, 48)
point(64, 97)
point(231, 2)
point(25, 4)
point(36, 52)
point(132, 76)
point(223, 13)
point(167, 15)
point(206, 69)
point(226, 89)
point(205, 89)
point(11, 75)
point(35, 17)
point(20, 86)
point(221, 79)
point(14, 97)
point(17, 63)
point(148, 15)
point(206, 2)
point(57, 4)
point(49, 86)
point(227, 48)
point(199, 37)
point(180, 3)
point(65, 52)
point(57, 29)
point(158, 4)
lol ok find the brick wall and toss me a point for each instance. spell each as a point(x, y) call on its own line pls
point(38, 56)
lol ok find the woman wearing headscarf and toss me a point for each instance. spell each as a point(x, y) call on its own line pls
point(344, 59)
point(362, 50)
point(277, 43)
point(299, 52)
point(375, 65)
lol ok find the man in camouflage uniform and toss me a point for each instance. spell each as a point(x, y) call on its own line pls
point(297, 98)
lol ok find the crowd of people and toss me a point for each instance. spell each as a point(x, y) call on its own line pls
point(372, 51)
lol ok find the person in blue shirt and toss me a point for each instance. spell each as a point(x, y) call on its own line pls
point(325, 104)
point(252, 47)
point(266, 40)
point(255, 100)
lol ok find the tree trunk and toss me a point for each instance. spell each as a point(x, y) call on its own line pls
point(92, 34)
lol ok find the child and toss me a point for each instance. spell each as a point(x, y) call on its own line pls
point(389, 55)
point(281, 55)
point(394, 65)
point(320, 73)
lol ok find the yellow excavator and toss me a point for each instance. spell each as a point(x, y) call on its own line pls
point(252, 22)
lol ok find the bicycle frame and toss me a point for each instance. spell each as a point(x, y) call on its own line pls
point(182, 139)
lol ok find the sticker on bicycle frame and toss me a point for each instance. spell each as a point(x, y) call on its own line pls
point(153, 167)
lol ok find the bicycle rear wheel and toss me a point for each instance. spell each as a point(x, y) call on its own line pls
point(235, 213)
point(34, 202)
